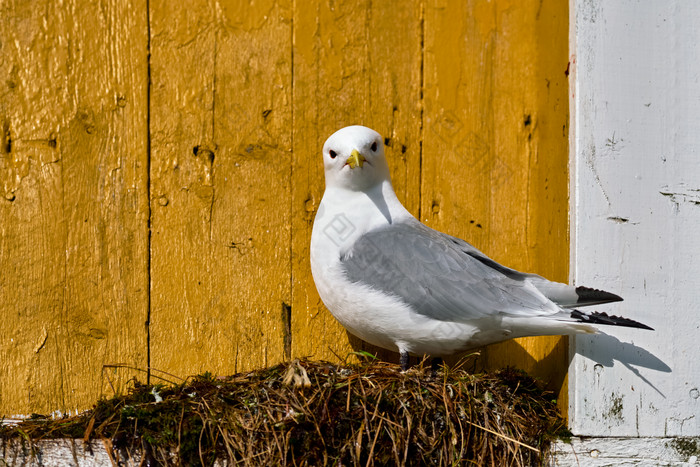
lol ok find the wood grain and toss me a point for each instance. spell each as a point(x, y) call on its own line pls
point(73, 249)
point(494, 168)
point(221, 152)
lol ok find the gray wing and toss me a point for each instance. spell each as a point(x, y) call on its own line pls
point(440, 276)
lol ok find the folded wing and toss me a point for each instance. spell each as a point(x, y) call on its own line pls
point(440, 276)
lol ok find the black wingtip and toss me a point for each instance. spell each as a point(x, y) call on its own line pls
point(603, 318)
point(589, 296)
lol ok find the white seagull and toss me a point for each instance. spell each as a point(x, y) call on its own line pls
point(400, 285)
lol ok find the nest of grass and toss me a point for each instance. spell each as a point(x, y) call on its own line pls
point(318, 413)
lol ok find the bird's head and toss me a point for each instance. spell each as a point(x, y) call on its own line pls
point(353, 158)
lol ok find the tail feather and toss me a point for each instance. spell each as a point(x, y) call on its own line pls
point(588, 296)
point(564, 295)
point(603, 318)
point(569, 296)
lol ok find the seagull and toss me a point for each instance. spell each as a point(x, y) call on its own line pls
point(398, 284)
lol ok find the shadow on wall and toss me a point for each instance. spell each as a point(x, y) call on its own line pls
point(605, 350)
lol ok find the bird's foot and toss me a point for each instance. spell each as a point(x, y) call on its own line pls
point(435, 366)
point(403, 360)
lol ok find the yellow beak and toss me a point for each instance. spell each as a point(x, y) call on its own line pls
point(355, 159)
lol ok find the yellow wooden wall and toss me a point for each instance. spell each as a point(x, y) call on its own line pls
point(216, 113)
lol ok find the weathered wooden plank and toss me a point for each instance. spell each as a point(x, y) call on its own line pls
point(611, 452)
point(73, 452)
point(636, 212)
point(221, 142)
point(591, 452)
point(73, 216)
point(352, 65)
point(494, 167)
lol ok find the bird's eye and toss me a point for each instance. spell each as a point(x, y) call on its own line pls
point(374, 146)
point(333, 154)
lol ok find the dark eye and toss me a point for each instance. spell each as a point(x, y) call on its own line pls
point(333, 154)
point(374, 146)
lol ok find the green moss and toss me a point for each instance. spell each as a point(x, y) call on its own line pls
point(616, 408)
point(686, 447)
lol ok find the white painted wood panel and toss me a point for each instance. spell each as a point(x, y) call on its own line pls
point(60, 452)
point(635, 191)
point(618, 452)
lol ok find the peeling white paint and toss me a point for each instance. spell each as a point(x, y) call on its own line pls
point(609, 452)
point(635, 179)
point(59, 452)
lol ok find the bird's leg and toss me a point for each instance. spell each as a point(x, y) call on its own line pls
point(403, 359)
point(435, 365)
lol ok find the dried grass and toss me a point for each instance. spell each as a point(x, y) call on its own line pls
point(318, 413)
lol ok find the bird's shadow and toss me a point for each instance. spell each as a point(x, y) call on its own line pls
point(551, 369)
point(605, 350)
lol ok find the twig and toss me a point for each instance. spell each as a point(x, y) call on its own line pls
point(504, 436)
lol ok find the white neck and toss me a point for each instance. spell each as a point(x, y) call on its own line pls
point(344, 215)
